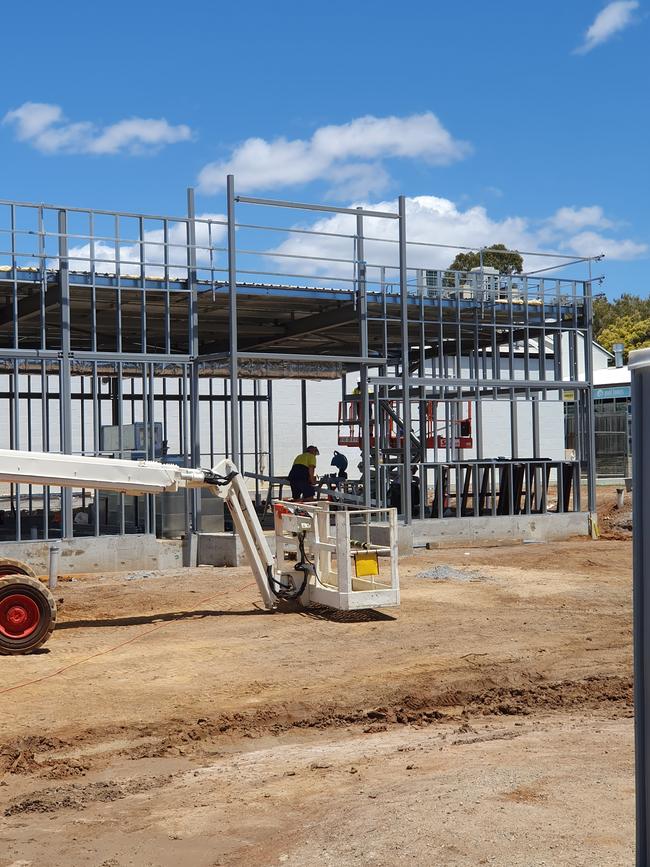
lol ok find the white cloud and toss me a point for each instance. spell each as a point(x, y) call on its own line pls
point(612, 19)
point(209, 231)
point(45, 128)
point(571, 218)
point(593, 243)
point(428, 219)
point(357, 180)
point(438, 220)
point(337, 153)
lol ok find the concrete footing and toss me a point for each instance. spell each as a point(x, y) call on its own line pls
point(142, 551)
point(500, 529)
point(100, 553)
point(220, 549)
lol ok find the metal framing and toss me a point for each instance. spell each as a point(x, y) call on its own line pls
point(123, 321)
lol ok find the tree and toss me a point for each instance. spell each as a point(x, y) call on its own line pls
point(632, 332)
point(506, 262)
point(624, 320)
point(603, 313)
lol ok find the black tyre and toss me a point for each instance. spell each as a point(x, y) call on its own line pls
point(27, 610)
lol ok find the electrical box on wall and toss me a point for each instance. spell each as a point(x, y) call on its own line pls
point(133, 438)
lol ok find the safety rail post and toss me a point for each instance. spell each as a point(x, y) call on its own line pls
point(639, 365)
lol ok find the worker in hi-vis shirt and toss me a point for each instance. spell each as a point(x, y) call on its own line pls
point(302, 476)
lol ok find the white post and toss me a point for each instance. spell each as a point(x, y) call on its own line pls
point(53, 566)
point(343, 556)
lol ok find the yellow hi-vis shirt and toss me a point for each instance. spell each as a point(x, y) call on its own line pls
point(306, 459)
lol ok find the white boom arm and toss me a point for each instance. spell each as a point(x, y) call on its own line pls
point(151, 477)
point(338, 563)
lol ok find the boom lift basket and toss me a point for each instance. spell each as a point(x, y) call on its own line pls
point(348, 556)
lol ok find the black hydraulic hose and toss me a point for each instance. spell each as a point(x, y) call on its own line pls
point(282, 591)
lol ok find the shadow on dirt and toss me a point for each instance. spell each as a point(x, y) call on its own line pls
point(142, 619)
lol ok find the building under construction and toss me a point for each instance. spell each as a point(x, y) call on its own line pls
point(164, 337)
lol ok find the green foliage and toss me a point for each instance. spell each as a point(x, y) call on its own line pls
point(632, 333)
point(625, 320)
point(506, 262)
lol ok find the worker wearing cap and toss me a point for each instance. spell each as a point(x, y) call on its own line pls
point(302, 476)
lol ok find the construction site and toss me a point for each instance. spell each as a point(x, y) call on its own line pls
point(428, 659)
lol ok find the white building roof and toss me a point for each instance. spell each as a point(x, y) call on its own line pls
point(611, 376)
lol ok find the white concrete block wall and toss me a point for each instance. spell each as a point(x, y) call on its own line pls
point(322, 405)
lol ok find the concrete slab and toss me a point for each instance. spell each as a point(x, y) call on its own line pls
point(100, 553)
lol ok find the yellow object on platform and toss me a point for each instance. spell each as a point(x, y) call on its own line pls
point(366, 564)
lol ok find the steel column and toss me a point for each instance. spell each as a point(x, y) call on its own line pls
point(303, 413)
point(535, 419)
point(195, 409)
point(406, 403)
point(235, 443)
point(590, 421)
point(362, 307)
point(65, 390)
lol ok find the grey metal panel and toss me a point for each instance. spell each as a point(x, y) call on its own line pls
point(639, 364)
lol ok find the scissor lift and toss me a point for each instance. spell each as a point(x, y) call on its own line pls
point(390, 429)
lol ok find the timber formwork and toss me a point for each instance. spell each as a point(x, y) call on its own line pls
point(180, 325)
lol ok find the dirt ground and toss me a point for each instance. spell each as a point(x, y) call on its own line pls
point(489, 721)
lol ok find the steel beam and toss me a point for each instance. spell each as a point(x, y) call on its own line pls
point(31, 305)
point(306, 325)
point(354, 360)
point(302, 206)
point(470, 384)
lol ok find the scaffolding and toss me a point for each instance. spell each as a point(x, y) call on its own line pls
point(138, 335)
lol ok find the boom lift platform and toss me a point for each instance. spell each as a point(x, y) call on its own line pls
point(336, 556)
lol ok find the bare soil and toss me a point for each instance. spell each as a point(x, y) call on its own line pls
point(171, 721)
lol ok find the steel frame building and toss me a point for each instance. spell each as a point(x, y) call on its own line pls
point(110, 319)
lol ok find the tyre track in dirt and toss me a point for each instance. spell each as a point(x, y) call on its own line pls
point(58, 758)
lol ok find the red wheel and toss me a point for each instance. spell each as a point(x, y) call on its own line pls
point(27, 614)
point(19, 615)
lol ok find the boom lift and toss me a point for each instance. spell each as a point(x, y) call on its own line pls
point(336, 555)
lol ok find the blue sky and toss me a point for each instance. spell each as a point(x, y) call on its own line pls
point(535, 130)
